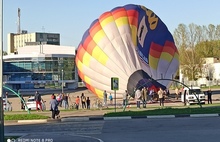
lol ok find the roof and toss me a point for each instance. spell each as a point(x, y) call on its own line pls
point(194, 87)
point(47, 51)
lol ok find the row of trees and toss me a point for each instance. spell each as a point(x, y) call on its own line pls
point(195, 43)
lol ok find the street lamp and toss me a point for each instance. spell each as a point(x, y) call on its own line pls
point(1, 74)
point(62, 80)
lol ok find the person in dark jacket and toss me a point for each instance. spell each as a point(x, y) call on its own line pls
point(209, 93)
point(38, 100)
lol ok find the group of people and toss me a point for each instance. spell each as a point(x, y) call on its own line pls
point(145, 94)
point(110, 97)
point(63, 100)
point(85, 102)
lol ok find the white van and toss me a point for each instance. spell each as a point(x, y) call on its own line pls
point(191, 98)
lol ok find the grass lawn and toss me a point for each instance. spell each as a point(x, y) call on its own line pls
point(166, 111)
point(24, 116)
point(109, 112)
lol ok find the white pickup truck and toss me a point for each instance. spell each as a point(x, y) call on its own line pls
point(192, 94)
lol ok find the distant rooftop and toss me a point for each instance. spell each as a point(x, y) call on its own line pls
point(42, 51)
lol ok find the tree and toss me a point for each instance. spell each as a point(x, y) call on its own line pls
point(5, 53)
point(186, 38)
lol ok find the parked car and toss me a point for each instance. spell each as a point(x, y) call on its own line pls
point(192, 94)
point(31, 104)
point(7, 105)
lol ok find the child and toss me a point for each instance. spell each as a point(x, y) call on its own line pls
point(110, 98)
point(77, 102)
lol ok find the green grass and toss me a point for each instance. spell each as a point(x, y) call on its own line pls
point(166, 111)
point(24, 116)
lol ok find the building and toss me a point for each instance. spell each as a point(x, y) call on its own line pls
point(40, 67)
point(209, 76)
point(15, 41)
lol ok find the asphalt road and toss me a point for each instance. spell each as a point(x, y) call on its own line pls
point(134, 130)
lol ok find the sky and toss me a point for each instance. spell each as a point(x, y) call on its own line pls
point(71, 18)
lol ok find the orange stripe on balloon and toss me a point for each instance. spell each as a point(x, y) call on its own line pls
point(81, 75)
point(89, 45)
point(170, 48)
point(155, 54)
point(80, 53)
point(104, 16)
point(95, 28)
point(91, 88)
point(171, 44)
point(119, 13)
point(155, 50)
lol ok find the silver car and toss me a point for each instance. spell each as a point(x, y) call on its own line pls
point(31, 104)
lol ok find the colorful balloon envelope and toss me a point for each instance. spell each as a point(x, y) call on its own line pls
point(131, 43)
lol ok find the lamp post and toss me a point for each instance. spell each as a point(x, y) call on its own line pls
point(1, 74)
point(62, 80)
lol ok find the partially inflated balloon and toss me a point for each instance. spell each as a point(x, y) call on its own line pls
point(128, 42)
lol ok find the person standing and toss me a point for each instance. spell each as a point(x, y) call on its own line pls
point(88, 103)
point(144, 96)
point(125, 97)
point(53, 106)
point(138, 98)
point(161, 96)
point(151, 94)
point(22, 102)
point(209, 93)
point(110, 98)
point(38, 100)
point(77, 102)
point(177, 93)
point(83, 101)
point(65, 101)
point(6, 95)
point(105, 98)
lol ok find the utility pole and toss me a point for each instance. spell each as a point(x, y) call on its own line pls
point(62, 80)
point(1, 73)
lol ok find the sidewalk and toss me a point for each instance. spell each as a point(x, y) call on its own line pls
point(98, 114)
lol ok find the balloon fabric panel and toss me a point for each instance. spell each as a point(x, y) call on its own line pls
point(129, 42)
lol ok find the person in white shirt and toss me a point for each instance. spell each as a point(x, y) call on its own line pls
point(138, 98)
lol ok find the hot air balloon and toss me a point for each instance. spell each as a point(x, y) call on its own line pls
point(129, 42)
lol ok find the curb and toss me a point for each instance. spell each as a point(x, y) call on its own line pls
point(75, 119)
point(84, 118)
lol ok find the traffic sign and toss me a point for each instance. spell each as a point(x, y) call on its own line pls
point(114, 83)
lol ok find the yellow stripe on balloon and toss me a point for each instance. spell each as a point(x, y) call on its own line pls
point(134, 35)
point(79, 65)
point(86, 59)
point(98, 36)
point(106, 21)
point(121, 21)
point(99, 93)
point(176, 56)
point(99, 55)
point(153, 62)
point(87, 79)
point(166, 56)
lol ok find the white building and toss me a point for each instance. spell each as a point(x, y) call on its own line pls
point(40, 67)
point(211, 69)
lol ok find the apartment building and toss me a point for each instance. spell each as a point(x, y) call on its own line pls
point(16, 41)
